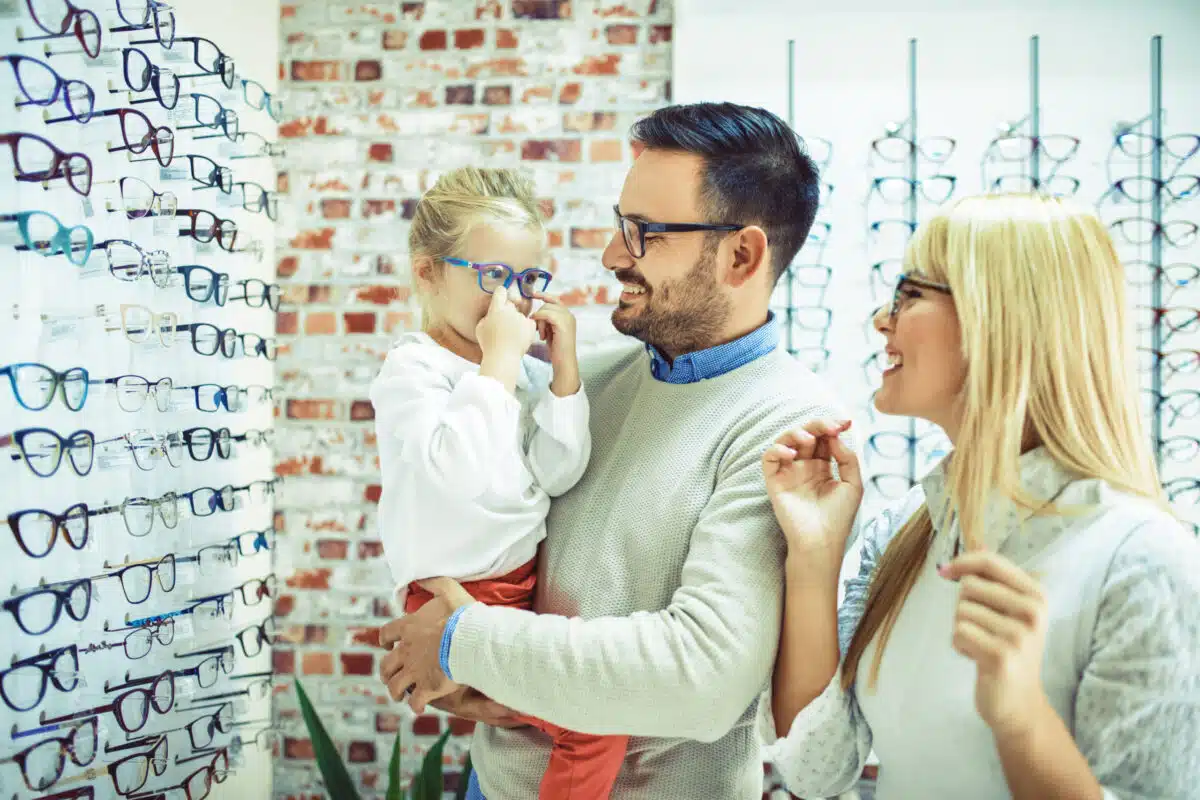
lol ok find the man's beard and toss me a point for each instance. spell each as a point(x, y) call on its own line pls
point(682, 315)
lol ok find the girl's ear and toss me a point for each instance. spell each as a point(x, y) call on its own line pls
point(424, 271)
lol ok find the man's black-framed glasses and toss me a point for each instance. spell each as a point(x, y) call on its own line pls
point(634, 230)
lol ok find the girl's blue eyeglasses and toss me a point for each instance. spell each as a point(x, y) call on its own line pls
point(496, 275)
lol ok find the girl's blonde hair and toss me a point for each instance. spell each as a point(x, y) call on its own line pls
point(1040, 296)
point(461, 199)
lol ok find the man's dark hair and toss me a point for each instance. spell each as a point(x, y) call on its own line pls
point(756, 169)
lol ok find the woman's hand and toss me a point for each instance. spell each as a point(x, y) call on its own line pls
point(815, 509)
point(1000, 624)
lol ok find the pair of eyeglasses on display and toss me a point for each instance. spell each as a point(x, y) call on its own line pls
point(141, 15)
point(40, 85)
point(131, 708)
point(257, 97)
point(894, 445)
point(129, 774)
point(208, 340)
point(138, 133)
point(41, 232)
point(37, 529)
point(137, 578)
point(38, 160)
point(259, 200)
point(1183, 491)
point(1179, 147)
point(1174, 407)
point(212, 397)
point(258, 146)
point(1180, 449)
point(23, 685)
point(140, 200)
point(211, 114)
point(208, 58)
point(142, 75)
point(36, 385)
point(60, 20)
point(1057, 185)
point(208, 174)
point(1144, 189)
point(138, 639)
point(206, 226)
point(1175, 320)
point(42, 764)
point(203, 284)
point(42, 450)
point(897, 145)
point(1054, 147)
point(198, 785)
point(1171, 362)
point(38, 610)
point(895, 189)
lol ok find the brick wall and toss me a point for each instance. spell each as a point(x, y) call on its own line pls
point(380, 97)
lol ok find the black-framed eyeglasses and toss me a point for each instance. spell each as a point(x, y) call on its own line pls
point(131, 708)
point(634, 229)
point(211, 114)
point(42, 450)
point(259, 200)
point(42, 763)
point(209, 174)
point(907, 290)
point(129, 774)
point(38, 610)
point(138, 133)
point(42, 86)
point(154, 14)
point(37, 529)
point(86, 27)
point(212, 397)
point(204, 729)
point(203, 442)
point(39, 160)
point(23, 685)
point(207, 500)
point(140, 74)
point(137, 578)
point(258, 98)
point(36, 385)
point(210, 59)
point(217, 661)
point(203, 284)
point(256, 292)
point(253, 638)
point(198, 784)
point(139, 199)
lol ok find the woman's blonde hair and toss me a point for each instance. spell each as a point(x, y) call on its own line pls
point(1040, 296)
point(461, 199)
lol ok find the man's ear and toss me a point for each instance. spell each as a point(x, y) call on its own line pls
point(751, 256)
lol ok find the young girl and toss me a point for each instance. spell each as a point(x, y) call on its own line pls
point(475, 436)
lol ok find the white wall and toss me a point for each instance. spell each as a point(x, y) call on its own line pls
point(973, 76)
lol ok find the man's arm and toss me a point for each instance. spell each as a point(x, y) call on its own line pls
point(690, 670)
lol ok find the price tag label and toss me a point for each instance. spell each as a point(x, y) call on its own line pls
point(186, 686)
point(184, 627)
point(107, 58)
point(173, 174)
point(59, 329)
point(88, 211)
point(230, 200)
point(165, 226)
point(10, 8)
point(181, 114)
point(173, 54)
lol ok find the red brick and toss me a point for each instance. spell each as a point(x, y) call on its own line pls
point(320, 239)
point(469, 38)
point(298, 749)
point(286, 267)
point(335, 208)
point(310, 578)
point(283, 662)
point(387, 723)
point(541, 9)
point(660, 34)
point(506, 39)
point(336, 549)
point(554, 238)
point(426, 725)
point(601, 150)
point(284, 604)
point(281, 183)
point(287, 323)
point(361, 753)
point(615, 9)
point(370, 550)
point(359, 321)
point(570, 93)
point(460, 726)
point(497, 96)
point(380, 607)
point(568, 150)
point(590, 238)
point(315, 634)
point(489, 9)
point(414, 11)
point(433, 40)
point(584, 121)
point(463, 95)
point(546, 206)
point(367, 636)
point(316, 70)
point(361, 410)
point(599, 65)
point(497, 67)
point(378, 295)
point(311, 409)
point(316, 662)
point(621, 34)
point(372, 493)
point(395, 39)
point(380, 151)
point(368, 70)
point(320, 323)
point(287, 11)
point(358, 664)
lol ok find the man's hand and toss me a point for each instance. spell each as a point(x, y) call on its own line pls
point(414, 641)
point(468, 703)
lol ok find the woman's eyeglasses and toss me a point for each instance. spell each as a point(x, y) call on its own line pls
point(139, 324)
point(1057, 185)
point(137, 643)
point(23, 685)
point(138, 512)
point(262, 147)
point(39, 161)
point(36, 385)
point(42, 764)
point(895, 147)
point(218, 661)
point(43, 234)
point(64, 19)
point(935, 188)
point(206, 501)
point(38, 611)
point(908, 289)
point(253, 638)
point(203, 442)
point(138, 133)
point(42, 450)
point(42, 86)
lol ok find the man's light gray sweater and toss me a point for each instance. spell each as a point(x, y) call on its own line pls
point(660, 587)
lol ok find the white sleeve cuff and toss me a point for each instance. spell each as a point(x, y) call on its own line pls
point(564, 419)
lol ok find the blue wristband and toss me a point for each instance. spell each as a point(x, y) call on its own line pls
point(447, 635)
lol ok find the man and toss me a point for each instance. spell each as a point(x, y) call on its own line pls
point(660, 581)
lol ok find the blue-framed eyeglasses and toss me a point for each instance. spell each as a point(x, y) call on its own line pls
point(493, 276)
point(46, 236)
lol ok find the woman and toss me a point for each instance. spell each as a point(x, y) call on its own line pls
point(1026, 622)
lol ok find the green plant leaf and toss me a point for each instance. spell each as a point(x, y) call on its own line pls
point(461, 794)
point(393, 790)
point(428, 784)
point(337, 780)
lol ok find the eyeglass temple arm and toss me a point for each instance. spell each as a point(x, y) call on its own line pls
point(139, 742)
point(85, 714)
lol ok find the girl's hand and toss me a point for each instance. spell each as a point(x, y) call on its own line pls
point(1000, 624)
point(504, 331)
point(556, 325)
point(815, 509)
